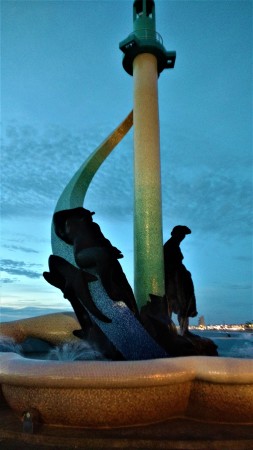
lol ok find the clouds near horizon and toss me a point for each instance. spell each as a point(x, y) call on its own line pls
point(13, 267)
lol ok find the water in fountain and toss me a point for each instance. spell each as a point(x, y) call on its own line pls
point(75, 351)
point(242, 347)
point(37, 348)
point(8, 344)
point(231, 344)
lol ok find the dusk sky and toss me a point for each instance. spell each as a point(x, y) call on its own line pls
point(64, 90)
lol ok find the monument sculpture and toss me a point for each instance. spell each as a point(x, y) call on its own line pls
point(145, 58)
point(178, 282)
point(126, 326)
point(97, 259)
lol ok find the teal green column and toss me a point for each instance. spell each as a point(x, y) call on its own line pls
point(145, 58)
point(148, 238)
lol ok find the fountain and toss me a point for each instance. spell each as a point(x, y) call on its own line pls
point(143, 383)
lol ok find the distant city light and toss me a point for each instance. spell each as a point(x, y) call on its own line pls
point(224, 327)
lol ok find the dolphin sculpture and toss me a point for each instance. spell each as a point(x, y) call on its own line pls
point(73, 283)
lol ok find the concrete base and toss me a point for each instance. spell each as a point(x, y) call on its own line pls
point(173, 434)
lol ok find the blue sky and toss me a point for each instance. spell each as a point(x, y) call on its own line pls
point(64, 90)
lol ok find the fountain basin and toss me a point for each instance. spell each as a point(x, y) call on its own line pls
point(100, 394)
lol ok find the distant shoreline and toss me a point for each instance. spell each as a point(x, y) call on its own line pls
point(9, 313)
point(226, 328)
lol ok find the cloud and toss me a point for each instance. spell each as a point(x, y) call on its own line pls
point(204, 184)
point(37, 166)
point(214, 202)
point(237, 287)
point(8, 280)
point(243, 258)
point(18, 247)
point(19, 268)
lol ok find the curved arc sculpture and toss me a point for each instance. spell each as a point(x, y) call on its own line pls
point(120, 316)
point(74, 193)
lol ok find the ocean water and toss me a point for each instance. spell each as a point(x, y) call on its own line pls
point(232, 344)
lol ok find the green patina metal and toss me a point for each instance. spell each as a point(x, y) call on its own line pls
point(74, 193)
point(143, 42)
point(145, 39)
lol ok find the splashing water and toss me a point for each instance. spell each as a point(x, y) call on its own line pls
point(246, 348)
point(75, 351)
point(8, 344)
point(235, 345)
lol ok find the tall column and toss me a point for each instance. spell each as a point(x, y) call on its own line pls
point(148, 240)
point(145, 57)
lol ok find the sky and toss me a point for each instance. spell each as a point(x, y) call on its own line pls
point(64, 90)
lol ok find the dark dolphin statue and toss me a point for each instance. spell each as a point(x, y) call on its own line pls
point(73, 282)
point(92, 251)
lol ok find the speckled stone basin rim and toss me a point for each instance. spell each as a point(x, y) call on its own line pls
point(123, 393)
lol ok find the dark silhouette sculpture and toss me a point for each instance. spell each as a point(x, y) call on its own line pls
point(96, 257)
point(121, 335)
point(73, 282)
point(179, 289)
point(156, 319)
point(94, 253)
